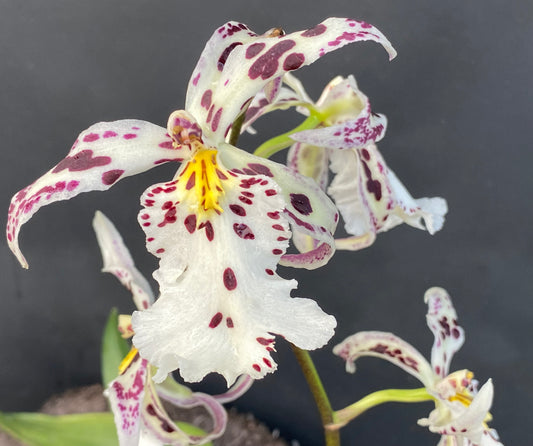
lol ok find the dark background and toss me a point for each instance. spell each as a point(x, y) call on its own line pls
point(458, 99)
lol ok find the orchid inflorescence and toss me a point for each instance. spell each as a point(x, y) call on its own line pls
point(223, 223)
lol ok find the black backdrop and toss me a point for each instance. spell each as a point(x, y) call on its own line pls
point(458, 99)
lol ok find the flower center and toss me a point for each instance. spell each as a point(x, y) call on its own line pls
point(200, 182)
point(463, 394)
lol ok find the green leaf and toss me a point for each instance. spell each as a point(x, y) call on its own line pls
point(114, 349)
point(36, 429)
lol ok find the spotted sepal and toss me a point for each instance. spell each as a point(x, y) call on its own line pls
point(371, 199)
point(249, 67)
point(385, 346)
point(118, 261)
point(126, 394)
point(226, 257)
point(307, 207)
point(102, 155)
point(442, 321)
point(161, 427)
point(350, 122)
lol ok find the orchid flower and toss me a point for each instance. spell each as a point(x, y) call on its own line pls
point(461, 411)
point(221, 225)
point(134, 397)
point(367, 193)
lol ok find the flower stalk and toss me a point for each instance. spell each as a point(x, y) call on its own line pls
point(320, 396)
point(344, 416)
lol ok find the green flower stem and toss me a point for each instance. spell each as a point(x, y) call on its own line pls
point(343, 416)
point(280, 142)
point(236, 129)
point(319, 394)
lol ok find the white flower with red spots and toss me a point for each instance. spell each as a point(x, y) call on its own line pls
point(221, 225)
point(134, 398)
point(367, 193)
point(461, 411)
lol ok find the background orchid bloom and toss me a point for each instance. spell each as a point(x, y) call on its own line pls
point(133, 396)
point(369, 196)
point(461, 411)
point(221, 225)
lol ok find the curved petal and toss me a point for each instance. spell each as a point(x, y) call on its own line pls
point(241, 386)
point(102, 155)
point(125, 394)
point(161, 426)
point(307, 207)
point(442, 321)
point(252, 65)
point(221, 301)
point(118, 261)
point(371, 199)
point(389, 347)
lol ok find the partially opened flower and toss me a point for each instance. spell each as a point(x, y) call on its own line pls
point(367, 193)
point(221, 225)
point(133, 396)
point(461, 411)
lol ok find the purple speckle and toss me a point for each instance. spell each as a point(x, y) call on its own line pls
point(301, 203)
point(267, 64)
point(293, 61)
point(109, 134)
point(111, 176)
point(225, 54)
point(91, 137)
point(316, 31)
point(254, 49)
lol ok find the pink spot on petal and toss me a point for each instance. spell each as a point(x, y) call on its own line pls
point(109, 134)
point(256, 367)
point(129, 136)
point(91, 137)
point(111, 176)
point(230, 281)
point(215, 320)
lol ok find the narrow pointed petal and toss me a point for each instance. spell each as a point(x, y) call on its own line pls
point(162, 427)
point(241, 386)
point(371, 199)
point(227, 259)
point(442, 321)
point(251, 66)
point(307, 207)
point(385, 346)
point(118, 261)
point(125, 395)
point(102, 155)
point(351, 134)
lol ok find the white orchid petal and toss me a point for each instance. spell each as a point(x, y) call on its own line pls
point(307, 207)
point(385, 346)
point(351, 134)
point(463, 422)
point(102, 155)
point(160, 426)
point(310, 161)
point(125, 394)
point(241, 386)
point(118, 261)
point(371, 199)
point(164, 429)
point(228, 261)
point(442, 321)
point(253, 64)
